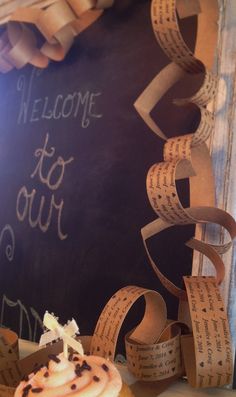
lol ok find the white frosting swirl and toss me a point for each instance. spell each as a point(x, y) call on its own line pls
point(83, 376)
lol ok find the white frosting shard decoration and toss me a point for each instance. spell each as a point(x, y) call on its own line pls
point(66, 333)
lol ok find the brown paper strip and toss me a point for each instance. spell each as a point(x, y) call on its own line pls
point(188, 157)
point(153, 93)
point(12, 369)
point(59, 23)
point(159, 86)
point(152, 348)
point(11, 339)
point(211, 342)
point(157, 361)
point(167, 32)
point(110, 321)
point(204, 215)
point(187, 8)
point(9, 371)
point(205, 94)
point(40, 357)
point(9, 6)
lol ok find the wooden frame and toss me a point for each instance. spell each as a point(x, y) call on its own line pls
point(223, 150)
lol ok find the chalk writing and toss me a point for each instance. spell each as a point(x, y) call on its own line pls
point(59, 163)
point(10, 248)
point(25, 199)
point(23, 314)
point(77, 104)
point(28, 200)
point(25, 97)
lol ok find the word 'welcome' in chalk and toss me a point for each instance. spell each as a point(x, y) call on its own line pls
point(77, 104)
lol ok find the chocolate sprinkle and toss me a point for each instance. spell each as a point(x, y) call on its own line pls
point(27, 387)
point(78, 372)
point(96, 378)
point(37, 390)
point(70, 358)
point(73, 387)
point(75, 358)
point(105, 367)
point(80, 368)
point(86, 366)
point(46, 374)
point(54, 358)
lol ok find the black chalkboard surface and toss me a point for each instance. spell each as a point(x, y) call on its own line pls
point(74, 155)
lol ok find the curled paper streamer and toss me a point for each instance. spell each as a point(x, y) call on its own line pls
point(207, 353)
point(159, 349)
point(58, 22)
point(153, 347)
point(65, 333)
point(207, 364)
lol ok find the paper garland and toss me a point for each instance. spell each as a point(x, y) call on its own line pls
point(207, 354)
point(153, 347)
point(188, 157)
point(58, 23)
point(153, 355)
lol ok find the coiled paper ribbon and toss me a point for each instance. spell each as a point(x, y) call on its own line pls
point(58, 23)
point(188, 157)
point(154, 353)
point(153, 347)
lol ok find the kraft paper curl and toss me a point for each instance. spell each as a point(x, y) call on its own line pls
point(207, 362)
point(159, 349)
point(153, 347)
point(58, 23)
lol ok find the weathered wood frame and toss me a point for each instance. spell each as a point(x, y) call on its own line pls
point(223, 150)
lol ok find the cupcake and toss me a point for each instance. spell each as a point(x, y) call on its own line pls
point(77, 376)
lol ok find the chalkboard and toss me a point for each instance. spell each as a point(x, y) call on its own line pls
point(74, 155)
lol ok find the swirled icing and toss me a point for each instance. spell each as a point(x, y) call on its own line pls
point(82, 376)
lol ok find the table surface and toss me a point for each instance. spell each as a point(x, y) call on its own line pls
point(183, 389)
